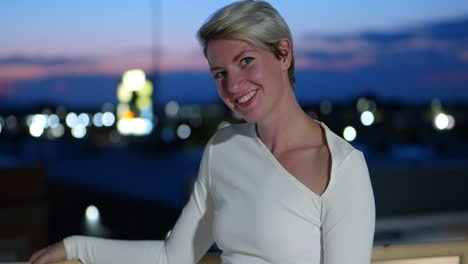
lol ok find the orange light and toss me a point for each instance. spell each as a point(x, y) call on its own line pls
point(128, 114)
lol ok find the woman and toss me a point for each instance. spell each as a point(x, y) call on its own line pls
point(280, 188)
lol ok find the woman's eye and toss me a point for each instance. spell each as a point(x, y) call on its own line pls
point(218, 75)
point(246, 60)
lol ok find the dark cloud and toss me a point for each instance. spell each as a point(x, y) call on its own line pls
point(452, 34)
point(435, 46)
point(452, 30)
point(413, 64)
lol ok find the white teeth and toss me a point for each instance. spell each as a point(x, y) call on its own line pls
point(246, 97)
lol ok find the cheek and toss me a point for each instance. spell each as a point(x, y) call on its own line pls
point(273, 73)
point(275, 67)
point(221, 91)
point(222, 94)
point(256, 73)
point(266, 74)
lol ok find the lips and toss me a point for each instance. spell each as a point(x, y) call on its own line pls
point(247, 97)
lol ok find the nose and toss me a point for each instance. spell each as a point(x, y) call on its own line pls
point(234, 82)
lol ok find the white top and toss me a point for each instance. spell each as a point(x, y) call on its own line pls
point(256, 212)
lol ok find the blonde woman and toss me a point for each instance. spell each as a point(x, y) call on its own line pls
point(279, 188)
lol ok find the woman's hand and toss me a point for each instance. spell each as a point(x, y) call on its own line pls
point(50, 254)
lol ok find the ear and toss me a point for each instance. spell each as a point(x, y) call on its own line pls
point(286, 50)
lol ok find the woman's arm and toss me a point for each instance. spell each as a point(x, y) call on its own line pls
point(349, 214)
point(189, 240)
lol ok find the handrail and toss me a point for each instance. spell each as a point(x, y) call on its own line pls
point(455, 252)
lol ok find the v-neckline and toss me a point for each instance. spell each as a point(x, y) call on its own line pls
point(291, 177)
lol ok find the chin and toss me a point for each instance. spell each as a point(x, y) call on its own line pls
point(252, 117)
point(250, 120)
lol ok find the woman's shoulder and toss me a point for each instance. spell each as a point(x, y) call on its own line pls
point(232, 132)
point(339, 148)
point(349, 169)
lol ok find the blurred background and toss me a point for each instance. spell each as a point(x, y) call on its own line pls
point(105, 107)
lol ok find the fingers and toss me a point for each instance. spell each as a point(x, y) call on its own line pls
point(36, 255)
point(50, 254)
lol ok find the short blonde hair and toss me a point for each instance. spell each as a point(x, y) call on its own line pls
point(256, 22)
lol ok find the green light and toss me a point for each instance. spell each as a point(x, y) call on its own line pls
point(124, 95)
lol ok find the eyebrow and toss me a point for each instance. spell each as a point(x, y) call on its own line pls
point(234, 59)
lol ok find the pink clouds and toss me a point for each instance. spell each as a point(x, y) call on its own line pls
point(341, 64)
point(343, 55)
point(448, 78)
point(21, 72)
point(34, 72)
point(4, 89)
point(191, 61)
point(112, 65)
point(450, 48)
point(419, 44)
point(347, 53)
point(107, 65)
point(323, 45)
point(463, 55)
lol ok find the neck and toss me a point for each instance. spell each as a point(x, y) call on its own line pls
point(286, 127)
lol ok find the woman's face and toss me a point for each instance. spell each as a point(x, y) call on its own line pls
point(250, 80)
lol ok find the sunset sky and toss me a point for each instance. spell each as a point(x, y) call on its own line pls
point(48, 38)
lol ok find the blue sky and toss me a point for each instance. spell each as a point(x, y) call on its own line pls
point(53, 38)
point(87, 27)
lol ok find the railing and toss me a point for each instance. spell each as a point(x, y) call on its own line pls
point(434, 253)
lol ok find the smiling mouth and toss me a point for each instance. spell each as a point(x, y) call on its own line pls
point(247, 97)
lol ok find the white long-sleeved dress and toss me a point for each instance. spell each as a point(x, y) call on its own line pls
point(256, 212)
